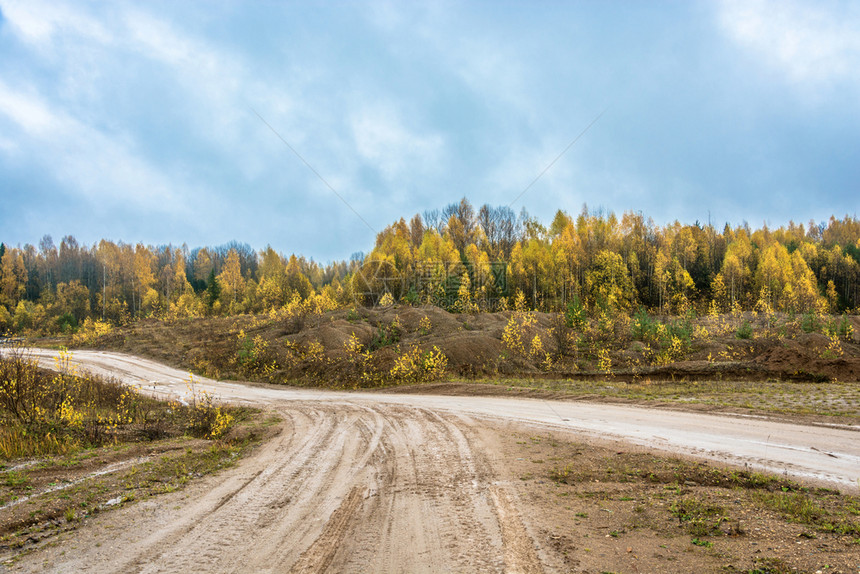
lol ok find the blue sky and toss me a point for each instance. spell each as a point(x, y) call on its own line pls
point(137, 122)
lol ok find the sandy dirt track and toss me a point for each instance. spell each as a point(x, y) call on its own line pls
point(361, 482)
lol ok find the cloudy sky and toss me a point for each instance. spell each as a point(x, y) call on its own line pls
point(141, 122)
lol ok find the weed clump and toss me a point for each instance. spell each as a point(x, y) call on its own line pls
point(386, 335)
point(744, 331)
point(701, 519)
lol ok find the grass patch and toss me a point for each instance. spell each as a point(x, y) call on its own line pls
point(629, 467)
point(771, 566)
point(826, 512)
point(688, 487)
point(700, 518)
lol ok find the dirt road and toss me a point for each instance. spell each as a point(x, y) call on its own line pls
point(361, 482)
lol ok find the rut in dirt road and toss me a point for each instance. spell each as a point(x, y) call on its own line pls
point(361, 489)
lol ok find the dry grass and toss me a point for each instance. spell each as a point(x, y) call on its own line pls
point(56, 413)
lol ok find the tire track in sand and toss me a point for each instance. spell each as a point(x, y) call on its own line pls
point(343, 488)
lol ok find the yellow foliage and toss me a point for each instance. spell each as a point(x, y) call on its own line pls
point(520, 302)
point(221, 424)
point(701, 333)
point(424, 325)
point(353, 346)
point(69, 415)
point(713, 309)
point(315, 352)
point(834, 348)
point(320, 303)
point(63, 362)
point(415, 366)
point(464, 296)
point(90, 332)
point(206, 417)
point(673, 352)
point(763, 304)
point(536, 348)
point(186, 306)
point(435, 362)
point(125, 408)
point(547, 363)
point(849, 332)
point(604, 361)
point(251, 354)
point(527, 319)
point(512, 337)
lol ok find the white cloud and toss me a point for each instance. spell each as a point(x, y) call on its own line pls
point(551, 164)
point(211, 79)
point(24, 110)
point(89, 64)
point(190, 58)
point(37, 22)
point(382, 139)
point(100, 167)
point(91, 47)
point(220, 91)
point(812, 44)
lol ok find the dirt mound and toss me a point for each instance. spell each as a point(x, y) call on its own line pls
point(807, 356)
point(361, 346)
point(472, 344)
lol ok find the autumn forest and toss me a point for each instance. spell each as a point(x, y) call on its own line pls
point(458, 257)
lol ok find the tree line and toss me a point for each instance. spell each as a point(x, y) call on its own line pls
point(599, 260)
point(457, 257)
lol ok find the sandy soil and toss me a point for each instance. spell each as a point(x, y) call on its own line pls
point(778, 350)
point(357, 482)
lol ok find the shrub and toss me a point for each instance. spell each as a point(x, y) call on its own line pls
point(252, 354)
point(5, 319)
point(811, 322)
point(512, 337)
point(575, 314)
point(417, 366)
point(844, 329)
point(91, 331)
point(424, 325)
point(604, 361)
point(561, 335)
point(644, 326)
point(206, 420)
point(745, 331)
point(386, 335)
point(67, 323)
